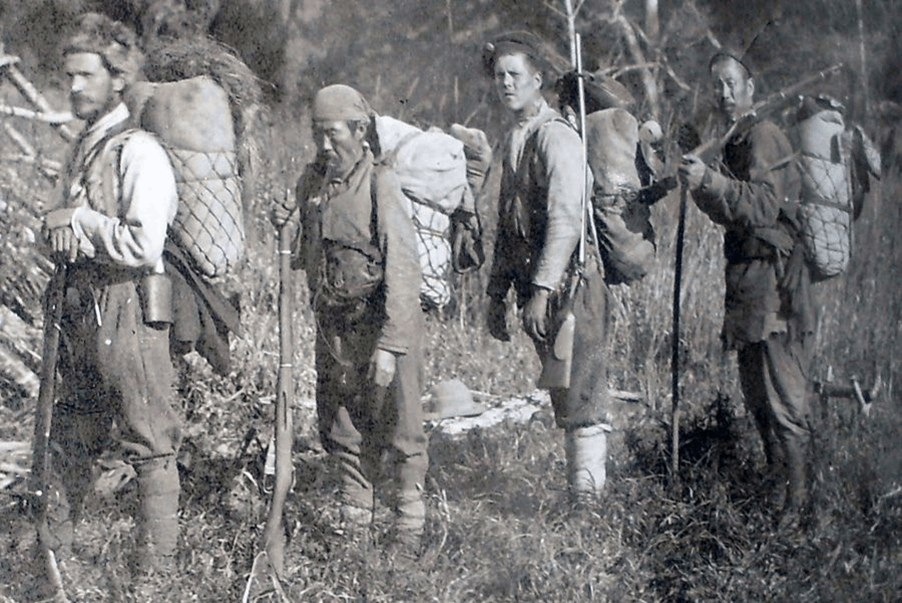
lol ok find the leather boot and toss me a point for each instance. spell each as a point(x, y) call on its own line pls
point(586, 451)
point(158, 494)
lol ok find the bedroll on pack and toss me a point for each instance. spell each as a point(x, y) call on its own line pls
point(622, 223)
point(432, 170)
point(193, 119)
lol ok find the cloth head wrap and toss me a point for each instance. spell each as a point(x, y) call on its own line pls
point(340, 103)
point(523, 42)
point(114, 42)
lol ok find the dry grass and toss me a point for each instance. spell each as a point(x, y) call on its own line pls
point(497, 529)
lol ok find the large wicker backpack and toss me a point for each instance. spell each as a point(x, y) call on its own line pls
point(193, 119)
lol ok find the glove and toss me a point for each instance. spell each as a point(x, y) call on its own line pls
point(497, 320)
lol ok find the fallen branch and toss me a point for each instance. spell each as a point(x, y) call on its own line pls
point(28, 90)
point(50, 117)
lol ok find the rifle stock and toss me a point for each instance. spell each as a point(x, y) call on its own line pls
point(40, 469)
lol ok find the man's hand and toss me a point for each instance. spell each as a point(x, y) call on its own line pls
point(497, 320)
point(692, 171)
point(382, 367)
point(59, 234)
point(282, 209)
point(535, 314)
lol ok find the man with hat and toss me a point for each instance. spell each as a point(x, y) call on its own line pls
point(541, 208)
point(118, 198)
point(358, 248)
point(767, 309)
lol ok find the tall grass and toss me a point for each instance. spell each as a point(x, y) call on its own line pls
point(497, 528)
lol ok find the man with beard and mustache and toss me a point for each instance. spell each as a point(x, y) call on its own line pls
point(751, 191)
point(118, 199)
point(358, 248)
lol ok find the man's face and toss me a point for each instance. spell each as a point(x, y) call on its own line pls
point(732, 87)
point(93, 91)
point(339, 144)
point(517, 83)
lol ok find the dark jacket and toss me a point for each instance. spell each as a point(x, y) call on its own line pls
point(753, 195)
point(358, 248)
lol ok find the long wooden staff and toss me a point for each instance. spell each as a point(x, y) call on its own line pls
point(675, 340)
point(274, 533)
point(40, 468)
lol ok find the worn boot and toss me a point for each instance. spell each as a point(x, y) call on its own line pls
point(405, 498)
point(355, 494)
point(158, 493)
point(586, 451)
point(796, 486)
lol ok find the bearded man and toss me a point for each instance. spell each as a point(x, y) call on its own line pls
point(118, 199)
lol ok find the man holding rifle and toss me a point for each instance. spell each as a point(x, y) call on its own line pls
point(768, 315)
point(541, 219)
point(118, 198)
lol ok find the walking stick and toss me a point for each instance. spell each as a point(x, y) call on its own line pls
point(675, 341)
point(274, 533)
point(40, 468)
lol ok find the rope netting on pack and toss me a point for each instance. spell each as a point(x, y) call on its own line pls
point(209, 223)
point(434, 250)
point(826, 200)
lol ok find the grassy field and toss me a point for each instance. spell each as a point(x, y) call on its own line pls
point(497, 528)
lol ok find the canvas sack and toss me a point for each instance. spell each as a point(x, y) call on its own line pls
point(622, 222)
point(432, 169)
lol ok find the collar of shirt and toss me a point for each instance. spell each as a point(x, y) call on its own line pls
point(522, 131)
point(99, 130)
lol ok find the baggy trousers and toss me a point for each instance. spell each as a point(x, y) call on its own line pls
point(364, 427)
point(116, 385)
point(773, 376)
point(584, 403)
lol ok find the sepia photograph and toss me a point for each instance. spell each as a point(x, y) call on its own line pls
point(450, 301)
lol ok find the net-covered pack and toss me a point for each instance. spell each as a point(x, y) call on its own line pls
point(825, 210)
point(193, 118)
point(432, 170)
point(209, 223)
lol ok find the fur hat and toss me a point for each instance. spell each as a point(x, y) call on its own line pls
point(113, 41)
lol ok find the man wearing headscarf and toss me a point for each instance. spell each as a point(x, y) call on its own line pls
point(541, 210)
point(358, 248)
point(118, 198)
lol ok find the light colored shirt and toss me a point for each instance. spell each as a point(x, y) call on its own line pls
point(128, 229)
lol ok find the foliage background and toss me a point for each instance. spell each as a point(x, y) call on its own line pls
point(495, 496)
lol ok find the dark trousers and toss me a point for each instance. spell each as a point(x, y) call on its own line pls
point(370, 430)
point(774, 379)
point(584, 403)
point(116, 386)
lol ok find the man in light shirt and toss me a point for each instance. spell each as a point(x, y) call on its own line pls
point(118, 198)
